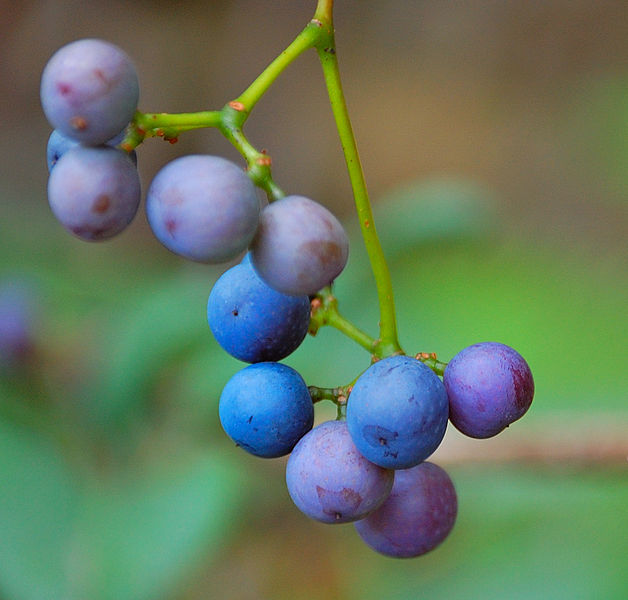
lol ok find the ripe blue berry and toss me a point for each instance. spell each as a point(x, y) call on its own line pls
point(397, 412)
point(330, 481)
point(266, 409)
point(417, 516)
point(94, 192)
point(251, 320)
point(489, 385)
point(89, 91)
point(300, 247)
point(204, 208)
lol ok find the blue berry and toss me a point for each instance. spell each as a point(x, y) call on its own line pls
point(252, 321)
point(89, 91)
point(489, 385)
point(266, 409)
point(300, 247)
point(94, 192)
point(397, 412)
point(330, 481)
point(204, 208)
point(59, 144)
point(417, 516)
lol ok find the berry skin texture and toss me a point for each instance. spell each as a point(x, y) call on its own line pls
point(397, 412)
point(330, 481)
point(94, 192)
point(266, 409)
point(204, 208)
point(89, 90)
point(300, 247)
point(418, 515)
point(489, 386)
point(252, 321)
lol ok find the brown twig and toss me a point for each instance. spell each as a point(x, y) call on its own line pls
point(579, 440)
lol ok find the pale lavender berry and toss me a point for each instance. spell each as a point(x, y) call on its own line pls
point(204, 208)
point(89, 90)
point(94, 192)
point(300, 247)
point(489, 386)
point(330, 481)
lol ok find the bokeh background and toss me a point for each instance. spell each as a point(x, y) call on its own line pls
point(494, 136)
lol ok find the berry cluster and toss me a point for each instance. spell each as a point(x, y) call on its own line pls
point(89, 93)
point(368, 466)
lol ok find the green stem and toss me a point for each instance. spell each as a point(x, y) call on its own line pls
point(350, 330)
point(304, 41)
point(325, 312)
point(388, 343)
point(337, 395)
point(195, 120)
point(324, 11)
point(259, 163)
point(231, 118)
point(432, 362)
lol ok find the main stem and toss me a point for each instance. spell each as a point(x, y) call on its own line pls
point(388, 342)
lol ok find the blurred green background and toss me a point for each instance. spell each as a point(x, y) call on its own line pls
point(494, 137)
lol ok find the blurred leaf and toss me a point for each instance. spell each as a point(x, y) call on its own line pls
point(429, 211)
point(421, 214)
point(127, 538)
point(38, 501)
point(137, 538)
point(161, 328)
point(564, 311)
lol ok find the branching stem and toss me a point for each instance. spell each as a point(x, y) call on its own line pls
point(229, 120)
point(325, 312)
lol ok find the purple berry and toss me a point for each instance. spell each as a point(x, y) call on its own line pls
point(418, 515)
point(89, 91)
point(266, 409)
point(489, 386)
point(204, 208)
point(94, 192)
point(251, 320)
point(397, 412)
point(300, 247)
point(19, 309)
point(330, 481)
